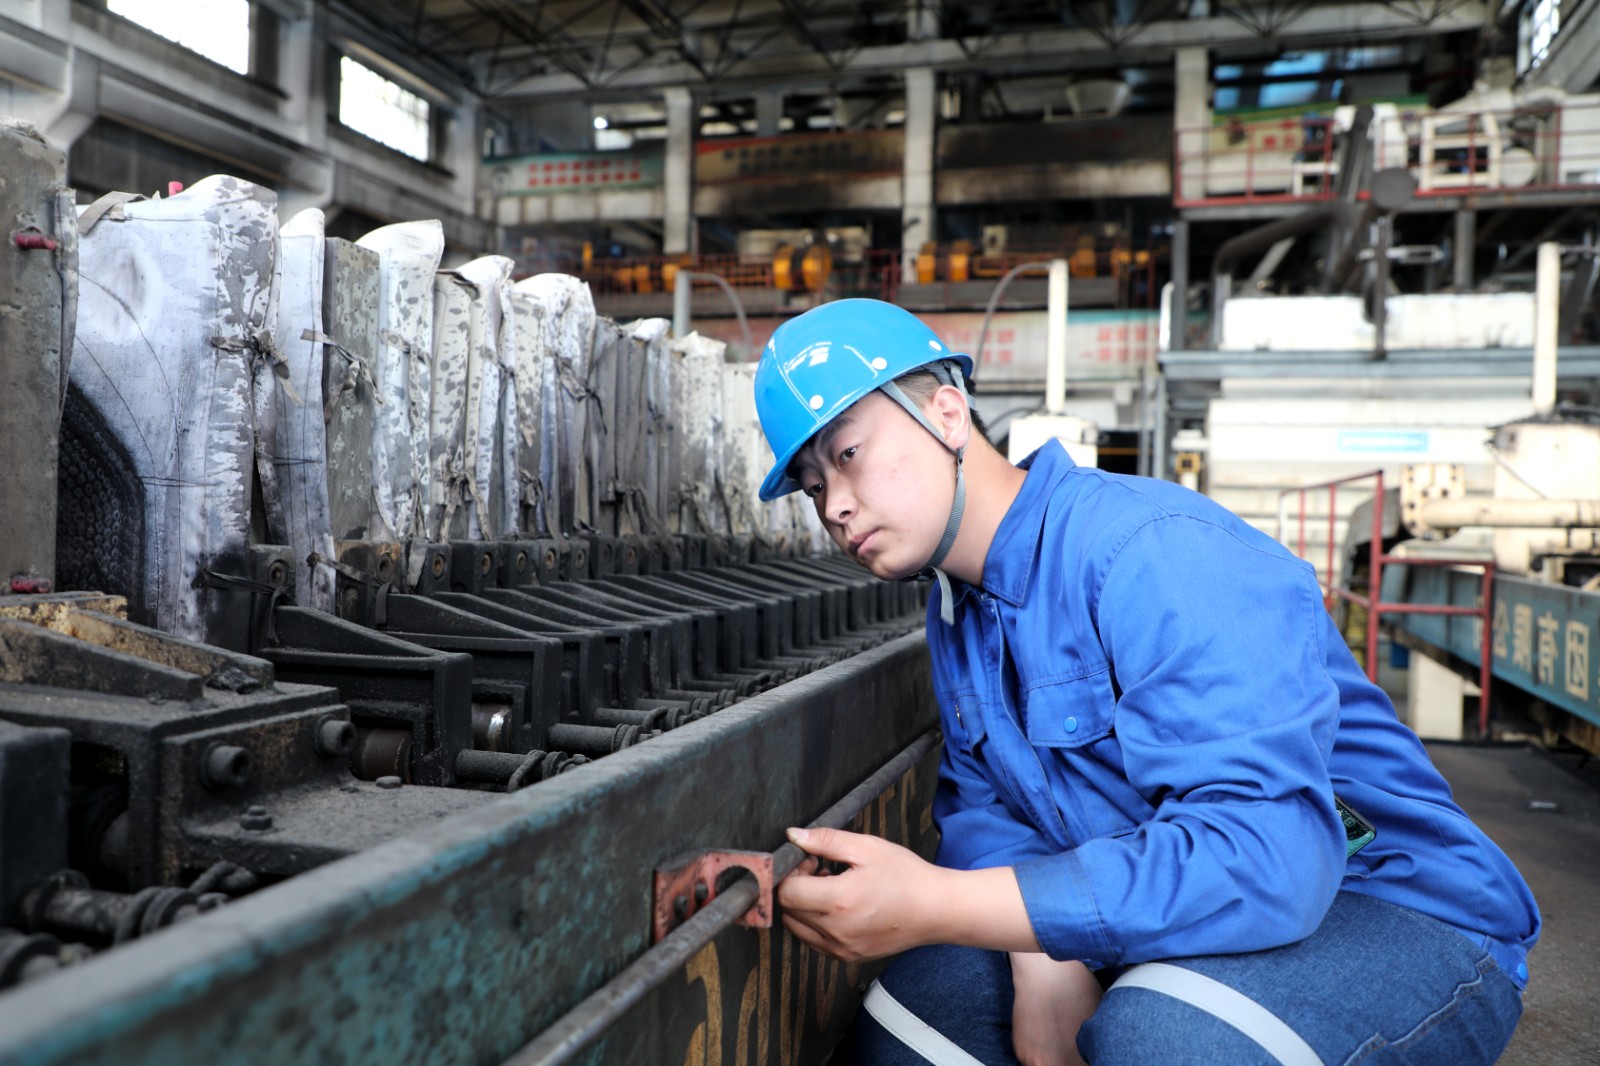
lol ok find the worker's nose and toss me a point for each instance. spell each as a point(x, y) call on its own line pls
point(838, 504)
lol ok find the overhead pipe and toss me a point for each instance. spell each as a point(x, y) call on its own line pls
point(1330, 213)
point(1039, 266)
point(1452, 514)
point(683, 286)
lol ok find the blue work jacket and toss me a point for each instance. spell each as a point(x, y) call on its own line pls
point(1147, 713)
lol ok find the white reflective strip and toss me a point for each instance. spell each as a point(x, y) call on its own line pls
point(912, 1031)
point(1226, 1005)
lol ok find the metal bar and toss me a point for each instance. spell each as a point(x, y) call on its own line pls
point(1336, 481)
point(1375, 579)
point(1301, 550)
point(1333, 511)
point(1485, 663)
point(588, 1021)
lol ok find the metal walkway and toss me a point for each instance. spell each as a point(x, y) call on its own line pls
point(1505, 789)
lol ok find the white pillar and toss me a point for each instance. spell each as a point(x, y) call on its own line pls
point(917, 210)
point(1055, 344)
point(1435, 699)
point(1546, 320)
point(769, 112)
point(922, 20)
point(1191, 120)
point(678, 185)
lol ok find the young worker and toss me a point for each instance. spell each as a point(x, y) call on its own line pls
point(1152, 733)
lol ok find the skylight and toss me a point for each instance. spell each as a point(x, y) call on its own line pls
point(371, 104)
point(217, 29)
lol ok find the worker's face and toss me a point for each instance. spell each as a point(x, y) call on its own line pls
point(882, 485)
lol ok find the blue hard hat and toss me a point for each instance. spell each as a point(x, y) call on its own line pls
point(819, 363)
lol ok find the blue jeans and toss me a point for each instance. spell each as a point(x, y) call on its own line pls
point(1375, 984)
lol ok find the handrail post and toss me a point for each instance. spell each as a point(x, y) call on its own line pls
point(1301, 550)
point(1375, 586)
point(1485, 670)
point(1333, 514)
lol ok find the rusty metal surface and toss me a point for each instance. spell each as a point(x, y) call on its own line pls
point(462, 940)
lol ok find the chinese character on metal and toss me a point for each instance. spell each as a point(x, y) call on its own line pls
point(1548, 627)
point(1502, 623)
point(1522, 636)
point(1577, 658)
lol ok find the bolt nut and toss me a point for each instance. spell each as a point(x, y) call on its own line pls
point(226, 766)
point(256, 819)
point(438, 564)
point(485, 563)
point(388, 781)
point(522, 562)
point(335, 737)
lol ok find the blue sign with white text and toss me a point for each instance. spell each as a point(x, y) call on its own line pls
point(1383, 440)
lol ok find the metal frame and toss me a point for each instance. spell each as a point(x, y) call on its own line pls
point(1374, 604)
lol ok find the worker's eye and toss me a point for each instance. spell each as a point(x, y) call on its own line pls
point(813, 490)
point(846, 455)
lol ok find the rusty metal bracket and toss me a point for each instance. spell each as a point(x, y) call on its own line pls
point(691, 881)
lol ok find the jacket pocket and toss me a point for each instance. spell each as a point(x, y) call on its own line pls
point(963, 722)
point(1071, 713)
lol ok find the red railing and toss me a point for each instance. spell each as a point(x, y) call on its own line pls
point(1451, 153)
point(1333, 591)
point(877, 273)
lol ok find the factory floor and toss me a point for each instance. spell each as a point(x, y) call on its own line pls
point(1506, 789)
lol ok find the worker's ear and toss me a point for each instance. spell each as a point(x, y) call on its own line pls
point(948, 411)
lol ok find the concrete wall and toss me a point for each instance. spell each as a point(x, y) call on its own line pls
point(144, 106)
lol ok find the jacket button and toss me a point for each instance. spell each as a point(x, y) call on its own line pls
point(1071, 724)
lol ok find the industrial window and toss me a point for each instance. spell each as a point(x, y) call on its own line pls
point(371, 104)
point(217, 29)
point(1541, 21)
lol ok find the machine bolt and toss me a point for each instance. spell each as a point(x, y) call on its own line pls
point(438, 565)
point(335, 737)
point(701, 893)
point(256, 819)
point(226, 766)
point(485, 563)
point(388, 781)
point(522, 562)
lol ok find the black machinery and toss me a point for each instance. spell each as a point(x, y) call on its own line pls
point(392, 655)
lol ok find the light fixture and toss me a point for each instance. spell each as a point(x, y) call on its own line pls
point(600, 122)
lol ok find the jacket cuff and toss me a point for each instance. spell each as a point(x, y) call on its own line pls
point(1060, 904)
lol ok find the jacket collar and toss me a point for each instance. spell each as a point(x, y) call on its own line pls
point(1008, 566)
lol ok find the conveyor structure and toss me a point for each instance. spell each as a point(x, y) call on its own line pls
point(377, 632)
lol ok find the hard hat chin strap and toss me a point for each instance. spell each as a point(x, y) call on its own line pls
point(950, 374)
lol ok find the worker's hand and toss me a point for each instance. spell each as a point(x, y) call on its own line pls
point(1052, 1000)
point(887, 901)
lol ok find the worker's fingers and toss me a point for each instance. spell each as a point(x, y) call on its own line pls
point(830, 844)
point(812, 895)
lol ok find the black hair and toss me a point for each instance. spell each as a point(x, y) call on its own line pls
point(920, 385)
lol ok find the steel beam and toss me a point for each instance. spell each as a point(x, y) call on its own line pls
point(1018, 53)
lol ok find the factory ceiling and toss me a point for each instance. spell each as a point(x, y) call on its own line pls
point(613, 50)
